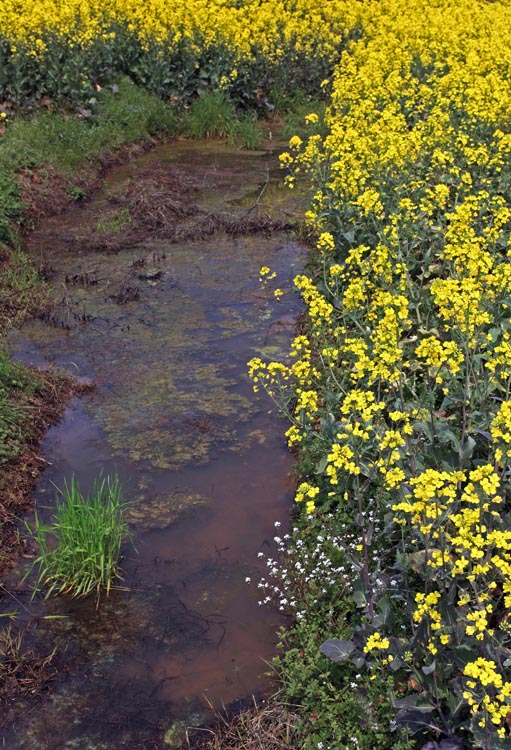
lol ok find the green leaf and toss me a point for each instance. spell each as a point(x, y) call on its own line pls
point(321, 465)
point(429, 668)
point(415, 720)
point(467, 450)
point(337, 650)
point(417, 701)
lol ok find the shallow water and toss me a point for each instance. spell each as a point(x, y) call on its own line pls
point(198, 453)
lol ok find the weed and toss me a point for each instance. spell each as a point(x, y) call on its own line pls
point(10, 206)
point(210, 116)
point(311, 578)
point(77, 193)
point(117, 222)
point(80, 548)
point(246, 132)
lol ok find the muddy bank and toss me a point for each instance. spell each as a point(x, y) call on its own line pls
point(18, 476)
point(48, 191)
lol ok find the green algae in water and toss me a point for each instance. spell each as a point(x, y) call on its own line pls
point(168, 426)
point(160, 510)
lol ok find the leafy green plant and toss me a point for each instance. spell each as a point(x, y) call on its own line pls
point(76, 193)
point(310, 578)
point(80, 548)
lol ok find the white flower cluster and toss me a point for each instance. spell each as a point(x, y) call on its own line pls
point(305, 570)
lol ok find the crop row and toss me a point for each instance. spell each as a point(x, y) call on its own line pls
point(176, 50)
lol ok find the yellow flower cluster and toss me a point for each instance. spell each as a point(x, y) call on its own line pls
point(307, 492)
point(269, 24)
point(376, 642)
point(501, 432)
point(495, 702)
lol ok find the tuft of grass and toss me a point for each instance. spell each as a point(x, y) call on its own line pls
point(80, 549)
point(116, 223)
point(210, 116)
point(129, 113)
point(10, 205)
point(246, 132)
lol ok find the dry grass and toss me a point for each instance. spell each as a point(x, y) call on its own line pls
point(161, 204)
point(265, 726)
point(21, 671)
point(234, 225)
point(163, 200)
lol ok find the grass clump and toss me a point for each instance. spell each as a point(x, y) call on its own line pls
point(10, 206)
point(212, 115)
point(79, 550)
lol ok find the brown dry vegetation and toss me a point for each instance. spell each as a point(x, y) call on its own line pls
point(265, 726)
point(162, 204)
point(23, 673)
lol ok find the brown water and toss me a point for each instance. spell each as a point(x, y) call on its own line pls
point(198, 453)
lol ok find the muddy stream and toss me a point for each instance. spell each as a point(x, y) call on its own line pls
point(158, 302)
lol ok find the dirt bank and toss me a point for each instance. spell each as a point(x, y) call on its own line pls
point(19, 475)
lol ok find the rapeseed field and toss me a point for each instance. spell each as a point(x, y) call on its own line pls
point(398, 391)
